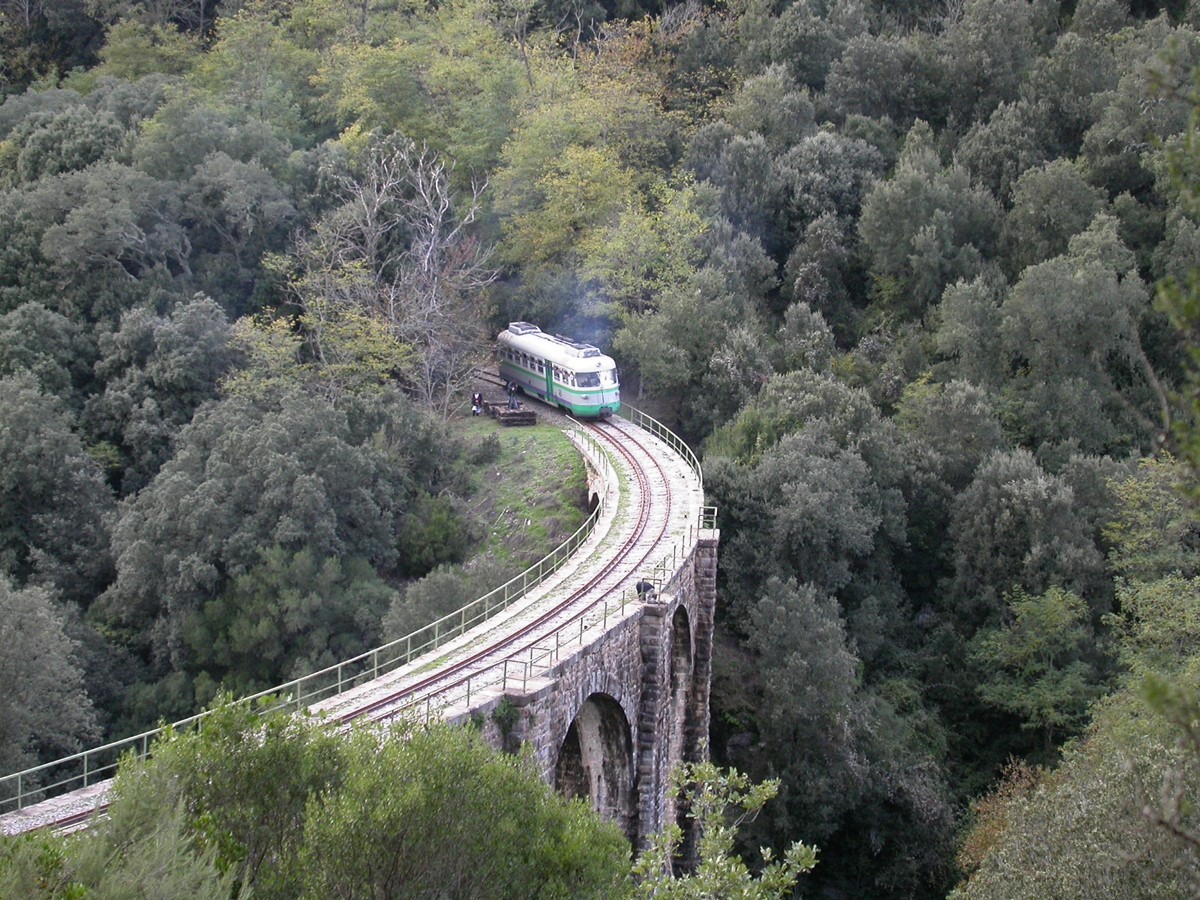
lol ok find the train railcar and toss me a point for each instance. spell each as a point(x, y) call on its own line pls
point(566, 373)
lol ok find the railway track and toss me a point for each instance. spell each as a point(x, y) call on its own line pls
point(523, 643)
point(488, 662)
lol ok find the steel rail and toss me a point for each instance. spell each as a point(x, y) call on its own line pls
point(444, 681)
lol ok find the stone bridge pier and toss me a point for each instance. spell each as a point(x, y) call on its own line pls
point(609, 723)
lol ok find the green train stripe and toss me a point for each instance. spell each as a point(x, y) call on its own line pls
point(539, 380)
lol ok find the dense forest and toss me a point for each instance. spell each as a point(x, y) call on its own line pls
point(917, 278)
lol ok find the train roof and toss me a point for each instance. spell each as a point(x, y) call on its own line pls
point(555, 347)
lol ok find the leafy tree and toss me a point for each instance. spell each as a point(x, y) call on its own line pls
point(957, 421)
point(809, 37)
point(771, 104)
point(332, 350)
point(925, 228)
point(66, 141)
point(91, 243)
point(44, 711)
point(822, 270)
point(238, 212)
point(1115, 146)
point(649, 249)
point(257, 69)
point(437, 594)
point(1051, 204)
point(157, 370)
point(968, 318)
point(56, 351)
point(1105, 847)
point(594, 136)
point(1035, 665)
point(434, 533)
point(287, 615)
point(1154, 533)
point(850, 757)
point(133, 49)
point(999, 149)
point(674, 343)
point(981, 72)
point(300, 477)
point(142, 846)
point(805, 341)
point(289, 808)
point(709, 794)
point(812, 714)
point(54, 505)
point(583, 191)
point(1017, 527)
point(1071, 82)
point(462, 819)
point(245, 782)
point(449, 78)
point(888, 76)
point(1071, 325)
point(829, 174)
point(743, 170)
point(190, 127)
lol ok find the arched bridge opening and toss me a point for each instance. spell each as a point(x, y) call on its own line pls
point(682, 665)
point(595, 762)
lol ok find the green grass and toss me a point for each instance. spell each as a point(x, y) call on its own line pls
point(528, 500)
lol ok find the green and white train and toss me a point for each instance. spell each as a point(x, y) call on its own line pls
point(563, 372)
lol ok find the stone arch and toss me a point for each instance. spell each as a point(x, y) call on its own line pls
point(595, 761)
point(681, 667)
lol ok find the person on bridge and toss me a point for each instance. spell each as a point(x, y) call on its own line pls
point(645, 590)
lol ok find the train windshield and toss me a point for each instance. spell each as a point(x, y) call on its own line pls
point(587, 379)
point(608, 377)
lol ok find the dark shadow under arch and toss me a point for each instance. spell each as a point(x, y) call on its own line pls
point(595, 762)
point(678, 750)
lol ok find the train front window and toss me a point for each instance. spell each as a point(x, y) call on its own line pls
point(587, 379)
point(608, 377)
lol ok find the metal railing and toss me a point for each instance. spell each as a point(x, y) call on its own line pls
point(98, 764)
point(666, 435)
point(539, 661)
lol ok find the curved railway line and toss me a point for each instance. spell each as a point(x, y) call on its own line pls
point(647, 506)
point(488, 664)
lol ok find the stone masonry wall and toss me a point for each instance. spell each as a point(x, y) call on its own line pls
point(632, 664)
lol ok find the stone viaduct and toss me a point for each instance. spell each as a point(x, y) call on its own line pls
point(608, 717)
point(610, 721)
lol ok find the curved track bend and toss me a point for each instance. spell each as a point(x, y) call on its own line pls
point(650, 514)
